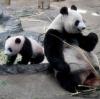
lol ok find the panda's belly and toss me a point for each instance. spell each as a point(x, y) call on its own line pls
point(75, 59)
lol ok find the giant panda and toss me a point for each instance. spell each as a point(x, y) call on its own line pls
point(30, 50)
point(67, 27)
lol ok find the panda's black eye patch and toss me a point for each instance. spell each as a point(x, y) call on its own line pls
point(17, 41)
point(10, 49)
point(77, 22)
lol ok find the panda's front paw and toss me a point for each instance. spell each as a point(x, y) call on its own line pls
point(9, 63)
point(22, 62)
point(19, 62)
point(92, 40)
point(93, 37)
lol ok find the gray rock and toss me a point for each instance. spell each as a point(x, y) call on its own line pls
point(22, 69)
point(13, 25)
point(10, 23)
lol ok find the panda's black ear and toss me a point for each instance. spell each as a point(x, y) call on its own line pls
point(73, 7)
point(17, 40)
point(8, 37)
point(64, 10)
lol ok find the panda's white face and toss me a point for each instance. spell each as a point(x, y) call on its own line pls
point(13, 45)
point(73, 22)
point(69, 19)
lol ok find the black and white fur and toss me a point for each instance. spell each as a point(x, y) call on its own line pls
point(30, 50)
point(67, 26)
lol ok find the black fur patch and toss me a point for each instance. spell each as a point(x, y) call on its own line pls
point(54, 51)
point(17, 40)
point(73, 7)
point(77, 22)
point(26, 51)
point(64, 10)
point(89, 42)
point(68, 82)
point(37, 59)
point(11, 59)
point(10, 49)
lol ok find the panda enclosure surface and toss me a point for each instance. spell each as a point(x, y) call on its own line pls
point(34, 22)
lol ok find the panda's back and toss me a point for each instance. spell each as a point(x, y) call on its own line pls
point(36, 47)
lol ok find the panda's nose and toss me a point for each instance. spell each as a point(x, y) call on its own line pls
point(83, 28)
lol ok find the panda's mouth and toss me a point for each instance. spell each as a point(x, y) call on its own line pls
point(78, 30)
point(92, 80)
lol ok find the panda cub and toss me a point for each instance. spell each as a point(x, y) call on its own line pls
point(30, 50)
point(67, 26)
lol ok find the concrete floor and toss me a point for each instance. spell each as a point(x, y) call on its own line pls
point(42, 85)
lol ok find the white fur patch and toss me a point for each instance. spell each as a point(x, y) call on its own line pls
point(57, 23)
point(68, 22)
point(10, 43)
point(77, 62)
point(36, 47)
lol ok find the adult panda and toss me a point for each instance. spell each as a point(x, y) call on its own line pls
point(67, 27)
point(30, 50)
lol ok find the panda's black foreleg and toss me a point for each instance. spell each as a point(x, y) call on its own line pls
point(11, 59)
point(68, 82)
point(53, 48)
point(60, 65)
point(50, 69)
point(24, 60)
point(92, 40)
point(56, 59)
point(88, 42)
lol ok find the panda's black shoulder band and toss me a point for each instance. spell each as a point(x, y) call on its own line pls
point(64, 10)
